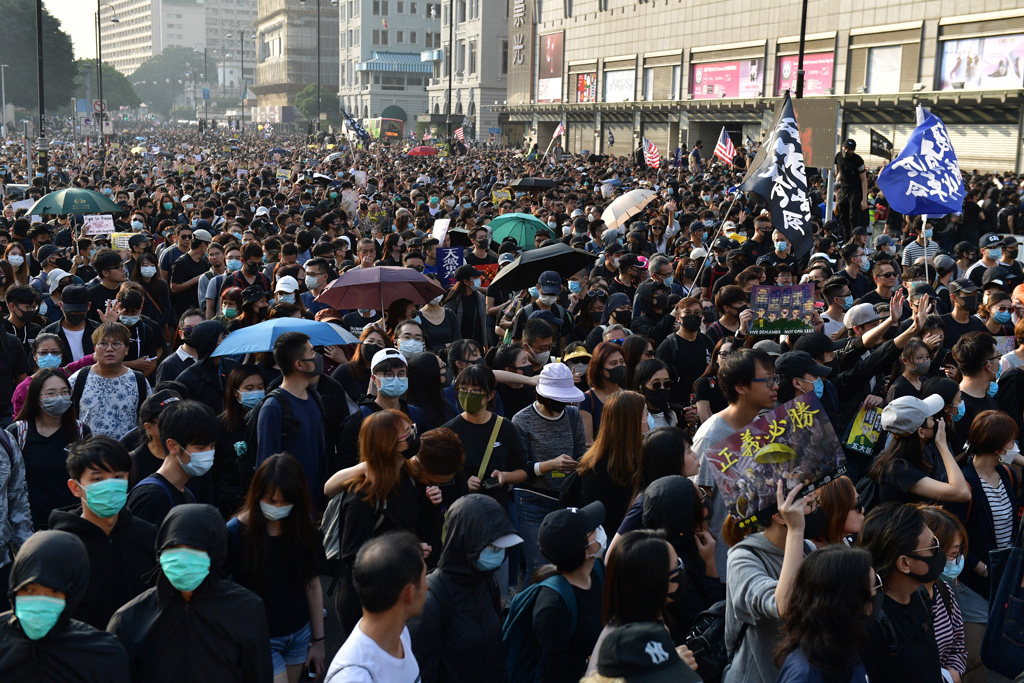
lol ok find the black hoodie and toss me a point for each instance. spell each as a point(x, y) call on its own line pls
point(219, 635)
point(207, 377)
point(458, 636)
point(653, 325)
point(117, 563)
point(72, 650)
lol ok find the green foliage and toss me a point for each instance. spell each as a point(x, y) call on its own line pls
point(117, 90)
point(18, 51)
point(156, 79)
point(305, 101)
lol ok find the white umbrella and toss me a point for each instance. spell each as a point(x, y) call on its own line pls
point(627, 206)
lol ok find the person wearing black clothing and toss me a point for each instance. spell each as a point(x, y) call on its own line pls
point(23, 303)
point(571, 540)
point(655, 320)
point(458, 635)
point(467, 303)
point(120, 545)
point(356, 321)
point(54, 565)
point(185, 355)
point(73, 325)
point(687, 351)
point(905, 554)
point(609, 267)
point(480, 254)
point(111, 271)
point(852, 180)
point(186, 271)
point(206, 378)
point(224, 624)
point(857, 264)
point(354, 375)
point(964, 295)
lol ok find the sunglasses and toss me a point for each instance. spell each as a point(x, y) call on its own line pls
point(597, 294)
point(657, 386)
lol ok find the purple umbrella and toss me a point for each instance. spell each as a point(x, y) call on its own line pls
point(367, 288)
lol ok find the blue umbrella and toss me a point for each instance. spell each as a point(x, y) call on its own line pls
point(261, 336)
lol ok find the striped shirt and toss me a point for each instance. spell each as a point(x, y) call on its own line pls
point(916, 250)
point(1002, 512)
point(949, 629)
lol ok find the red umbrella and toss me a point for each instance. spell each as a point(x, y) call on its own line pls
point(378, 286)
point(422, 151)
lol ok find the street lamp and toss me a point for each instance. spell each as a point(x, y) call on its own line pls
point(3, 95)
point(99, 63)
point(334, 3)
point(245, 31)
point(451, 62)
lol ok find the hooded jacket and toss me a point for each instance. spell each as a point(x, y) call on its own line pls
point(596, 335)
point(671, 505)
point(117, 563)
point(458, 636)
point(654, 325)
point(219, 635)
point(72, 650)
point(207, 377)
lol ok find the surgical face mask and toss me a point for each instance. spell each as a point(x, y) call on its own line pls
point(668, 280)
point(168, 206)
point(137, 225)
point(16, 260)
point(863, 262)
point(148, 271)
point(534, 293)
point(477, 282)
point(928, 233)
point(848, 302)
point(490, 558)
point(548, 299)
point(129, 320)
point(472, 403)
point(49, 361)
point(230, 312)
point(249, 399)
point(1003, 317)
point(650, 421)
point(781, 245)
point(185, 568)
point(394, 387)
point(819, 387)
point(199, 464)
point(601, 538)
point(960, 410)
point(552, 224)
point(1009, 455)
point(993, 388)
point(709, 223)
point(538, 358)
point(575, 286)
point(995, 254)
point(234, 265)
point(108, 191)
point(37, 614)
point(566, 230)
point(274, 512)
point(410, 347)
point(286, 298)
point(55, 406)
point(312, 281)
point(107, 497)
point(953, 568)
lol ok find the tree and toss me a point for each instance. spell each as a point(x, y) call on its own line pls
point(117, 91)
point(305, 101)
point(156, 79)
point(18, 51)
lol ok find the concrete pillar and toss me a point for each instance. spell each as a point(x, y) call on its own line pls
point(598, 136)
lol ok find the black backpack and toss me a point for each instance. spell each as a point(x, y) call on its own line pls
point(246, 450)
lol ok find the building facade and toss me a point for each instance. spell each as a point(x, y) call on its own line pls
point(674, 72)
point(147, 27)
point(480, 57)
point(286, 46)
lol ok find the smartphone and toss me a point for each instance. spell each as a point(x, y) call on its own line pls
point(491, 483)
point(948, 360)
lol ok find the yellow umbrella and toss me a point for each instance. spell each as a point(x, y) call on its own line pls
point(138, 150)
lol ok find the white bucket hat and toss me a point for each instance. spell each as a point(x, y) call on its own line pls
point(556, 384)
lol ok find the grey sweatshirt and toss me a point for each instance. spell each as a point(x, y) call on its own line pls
point(754, 566)
point(546, 439)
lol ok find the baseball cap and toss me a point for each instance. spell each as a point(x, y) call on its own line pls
point(769, 346)
point(798, 363)
point(632, 261)
point(506, 258)
point(155, 404)
point(964, 285)
point(614, 248)
point(139, 238)
point(75, 299)
point(54, 278)
point(919, 289)
point(996, 275)
point(642, 652)
point(387, 354)
point(724, 243)
point(563, 533)
point(861, 314)
point(962, 247)
point(252, 293)
point(906, 414)
point(850, 144)
point(201, 235)
point(821, 256)
point(575, 213)
point(699, 253)
point(46, 251)
point(262, 211)
point(859, 231)
point(816, 344)
point(287, 284)
point(989, 239)
point(1010, 241)
point(550, 282)
point(882, 240)
point(944, 263)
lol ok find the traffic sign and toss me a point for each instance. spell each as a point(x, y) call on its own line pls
point(86, 121)
point(206, 93)
point(108, 127)
point(494, 131)
point(99, 106)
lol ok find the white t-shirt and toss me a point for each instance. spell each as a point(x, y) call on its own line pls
point(831, 326)
point(361, 660)
point(75, 342)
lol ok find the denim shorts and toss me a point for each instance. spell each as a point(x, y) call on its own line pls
point(290, 650)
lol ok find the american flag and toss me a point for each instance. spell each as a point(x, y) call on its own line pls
point(427, 136)
point(725, 150)
point(558, 131)
point(458, 134)
point(651, 154)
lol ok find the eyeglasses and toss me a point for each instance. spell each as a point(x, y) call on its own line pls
point(858, 505)
point(113, 346)
point(54, 394)
point(891, 273)
point(679, 568)
point(414, 337)
point(472, 392)
point(401, 374)
point(768, 381)
point(658, 386)
point(879, 586)
point(409, 432)
point(934, 547)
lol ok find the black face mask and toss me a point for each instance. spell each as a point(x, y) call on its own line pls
point(595, 316)
point(446, 379)
point(64, 263)
point(252, 268)
point(661, 301)
point(616, 375)
point(814, 524)
point(970, 303)
point(690, 323)
point(657, 398)
point(936, 563)
point(689, 272)
point(318, 367)
point(527, 371)
point(75, 318)
point(414, 446)
point(624, 317)
point(877, 601)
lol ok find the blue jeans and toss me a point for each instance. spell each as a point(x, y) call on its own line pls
point(290, 650)
point(531, 509)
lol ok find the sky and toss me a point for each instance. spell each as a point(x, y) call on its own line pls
point(77, 19)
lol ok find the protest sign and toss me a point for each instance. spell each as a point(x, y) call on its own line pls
point(119, 240)
point(284, 173)
point(97, 225)
point(864, 431)
point(794, 443)
point(440, 229)
point(782, 310)
point(1005, 345)
point(502, 195)
point(449, 259)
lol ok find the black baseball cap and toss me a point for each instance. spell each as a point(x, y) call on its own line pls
point(642, 652)
point(990, 239)
point(75, 299)
point(252, 293)
point(798, 363)
point(850, 144)
point(549, 282)
point(964, 285)
point(816, 344)
point(564, 532)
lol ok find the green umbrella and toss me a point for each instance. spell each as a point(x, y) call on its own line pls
point(521, 226)
point(73, 200)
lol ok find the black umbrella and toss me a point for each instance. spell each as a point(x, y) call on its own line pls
point(277, 150)
point(526, 269)
point(165, 155)
point(534, 183)
point(459, 237)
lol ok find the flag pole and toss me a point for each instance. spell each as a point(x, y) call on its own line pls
point(696, 277)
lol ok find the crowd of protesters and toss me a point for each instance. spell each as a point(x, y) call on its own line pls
point(492, 484)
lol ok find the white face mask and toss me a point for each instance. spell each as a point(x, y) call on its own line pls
point(1009, 455)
